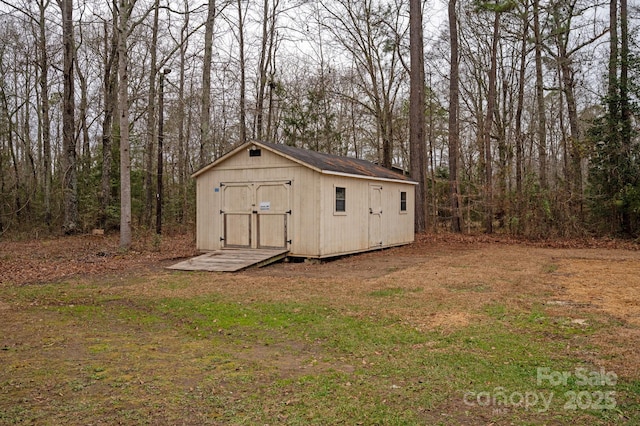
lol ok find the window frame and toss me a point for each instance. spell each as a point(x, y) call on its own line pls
point(343, 210)
point(403, 203)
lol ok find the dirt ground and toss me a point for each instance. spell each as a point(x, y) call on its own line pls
point(574, 278)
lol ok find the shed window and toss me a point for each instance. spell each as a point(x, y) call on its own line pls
point(403, 201)
point(341, 199)
point(256, 152)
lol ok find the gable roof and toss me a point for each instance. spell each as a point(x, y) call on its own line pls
point(321, 162)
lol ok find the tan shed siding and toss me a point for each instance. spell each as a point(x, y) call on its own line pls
point(267, 168)
point(350, 232)
point(344, 232)
point(207, 213)
point(398, 227)
point(306, 213)
point(242, 161)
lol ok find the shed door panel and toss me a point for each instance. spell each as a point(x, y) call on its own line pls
point(236, 198)
point(236, 208)
point(272, 231)
point(375, 215)
point(272, 203)
point(237, 230)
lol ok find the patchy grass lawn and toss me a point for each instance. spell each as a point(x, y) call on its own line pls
point(446, 331)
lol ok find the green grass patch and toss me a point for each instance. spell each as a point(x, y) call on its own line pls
point(214, 359)
point(394, 291)
point(550, 268)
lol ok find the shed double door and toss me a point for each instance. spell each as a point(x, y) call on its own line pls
point(255, 214)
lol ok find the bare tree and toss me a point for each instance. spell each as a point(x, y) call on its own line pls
point(159, 184)
point(454, 125)
point(367, 31)
point(45, 125)
point(205, 101)
point(151, 115)
point(625, 107)
point(563, 13)
point(243, 79)
point(110, 95)
point(488, 124)
point(541, 116)
point(520, 104)
point(70, 180)
point(267, 53)
point(416, 112)
point(125, 8)
point(125, 26)
point(182, 151)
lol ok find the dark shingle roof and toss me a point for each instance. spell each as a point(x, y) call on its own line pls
point(335, 163)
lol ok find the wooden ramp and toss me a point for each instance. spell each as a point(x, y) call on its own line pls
point(230, 260)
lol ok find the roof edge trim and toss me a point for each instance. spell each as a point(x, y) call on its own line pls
point(330, 172)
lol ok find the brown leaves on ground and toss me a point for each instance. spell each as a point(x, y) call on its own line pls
point(603, 273)
point(51, 260)
point(566, 243)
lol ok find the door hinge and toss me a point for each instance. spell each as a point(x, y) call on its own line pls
point(288, 182)
point(221, 239)
point(288, 212)
point(288, 241)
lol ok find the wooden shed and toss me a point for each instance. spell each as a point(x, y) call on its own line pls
point(272, 196)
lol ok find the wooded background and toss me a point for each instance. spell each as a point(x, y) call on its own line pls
point(524, 111)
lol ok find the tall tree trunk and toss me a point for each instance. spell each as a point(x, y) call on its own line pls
point(625, 108)
point(488, 125)
point(613, 100)
point(159, 193)
point(182, 160)
point(70, 183)
point(205, 101)
point(44, 106)
point(123, 111)
point(243, 113)
point(541, 116)
point(416, 112)
point(270, 134)
point(151, 117)
point(387, 134)
point(110, 93)
point(519, 110)
point(575, 151)
point(568, 89)
point(454, 125)
point(263, 68)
